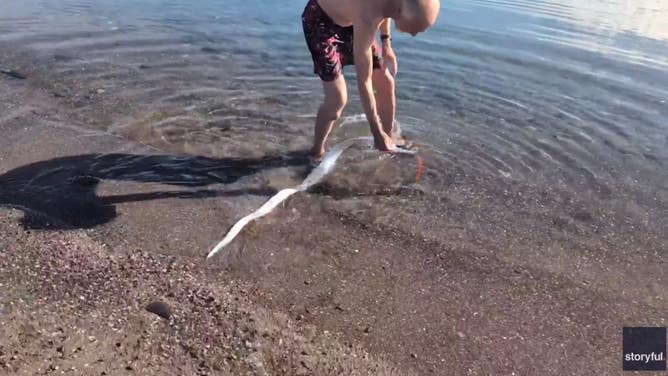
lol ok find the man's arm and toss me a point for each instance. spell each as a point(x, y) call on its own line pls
point(389, 57)
point(365, 33)
point(384, 27)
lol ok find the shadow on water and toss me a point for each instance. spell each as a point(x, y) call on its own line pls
point(61, 193)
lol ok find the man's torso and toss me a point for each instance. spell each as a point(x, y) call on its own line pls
point(346, 12)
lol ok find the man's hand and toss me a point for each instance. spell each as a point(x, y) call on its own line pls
point(383, 142)
point(389, 58)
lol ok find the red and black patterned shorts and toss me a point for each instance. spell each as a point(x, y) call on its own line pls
point(331, 45)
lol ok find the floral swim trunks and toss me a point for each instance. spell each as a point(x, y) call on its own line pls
point(331, 45)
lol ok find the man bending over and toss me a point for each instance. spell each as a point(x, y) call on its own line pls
point(343, 32)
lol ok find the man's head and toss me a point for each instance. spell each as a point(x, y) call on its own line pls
point(415, 16)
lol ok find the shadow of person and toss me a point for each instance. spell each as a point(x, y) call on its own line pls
point(61, 193)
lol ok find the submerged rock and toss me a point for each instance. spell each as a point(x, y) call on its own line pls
point(13, 73)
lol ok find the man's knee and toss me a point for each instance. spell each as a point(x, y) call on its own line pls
point(334, 104)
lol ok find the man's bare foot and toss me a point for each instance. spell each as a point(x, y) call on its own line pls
point(317, 154)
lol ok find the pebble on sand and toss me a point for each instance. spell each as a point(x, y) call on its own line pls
point(161, 309)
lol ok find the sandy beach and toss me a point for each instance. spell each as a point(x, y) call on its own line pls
point(325, 285)
point(118, 179)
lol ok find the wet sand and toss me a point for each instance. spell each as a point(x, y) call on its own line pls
point(100, 217)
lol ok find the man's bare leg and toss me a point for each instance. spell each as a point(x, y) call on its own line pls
point(336, 97)
point(383, 84)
